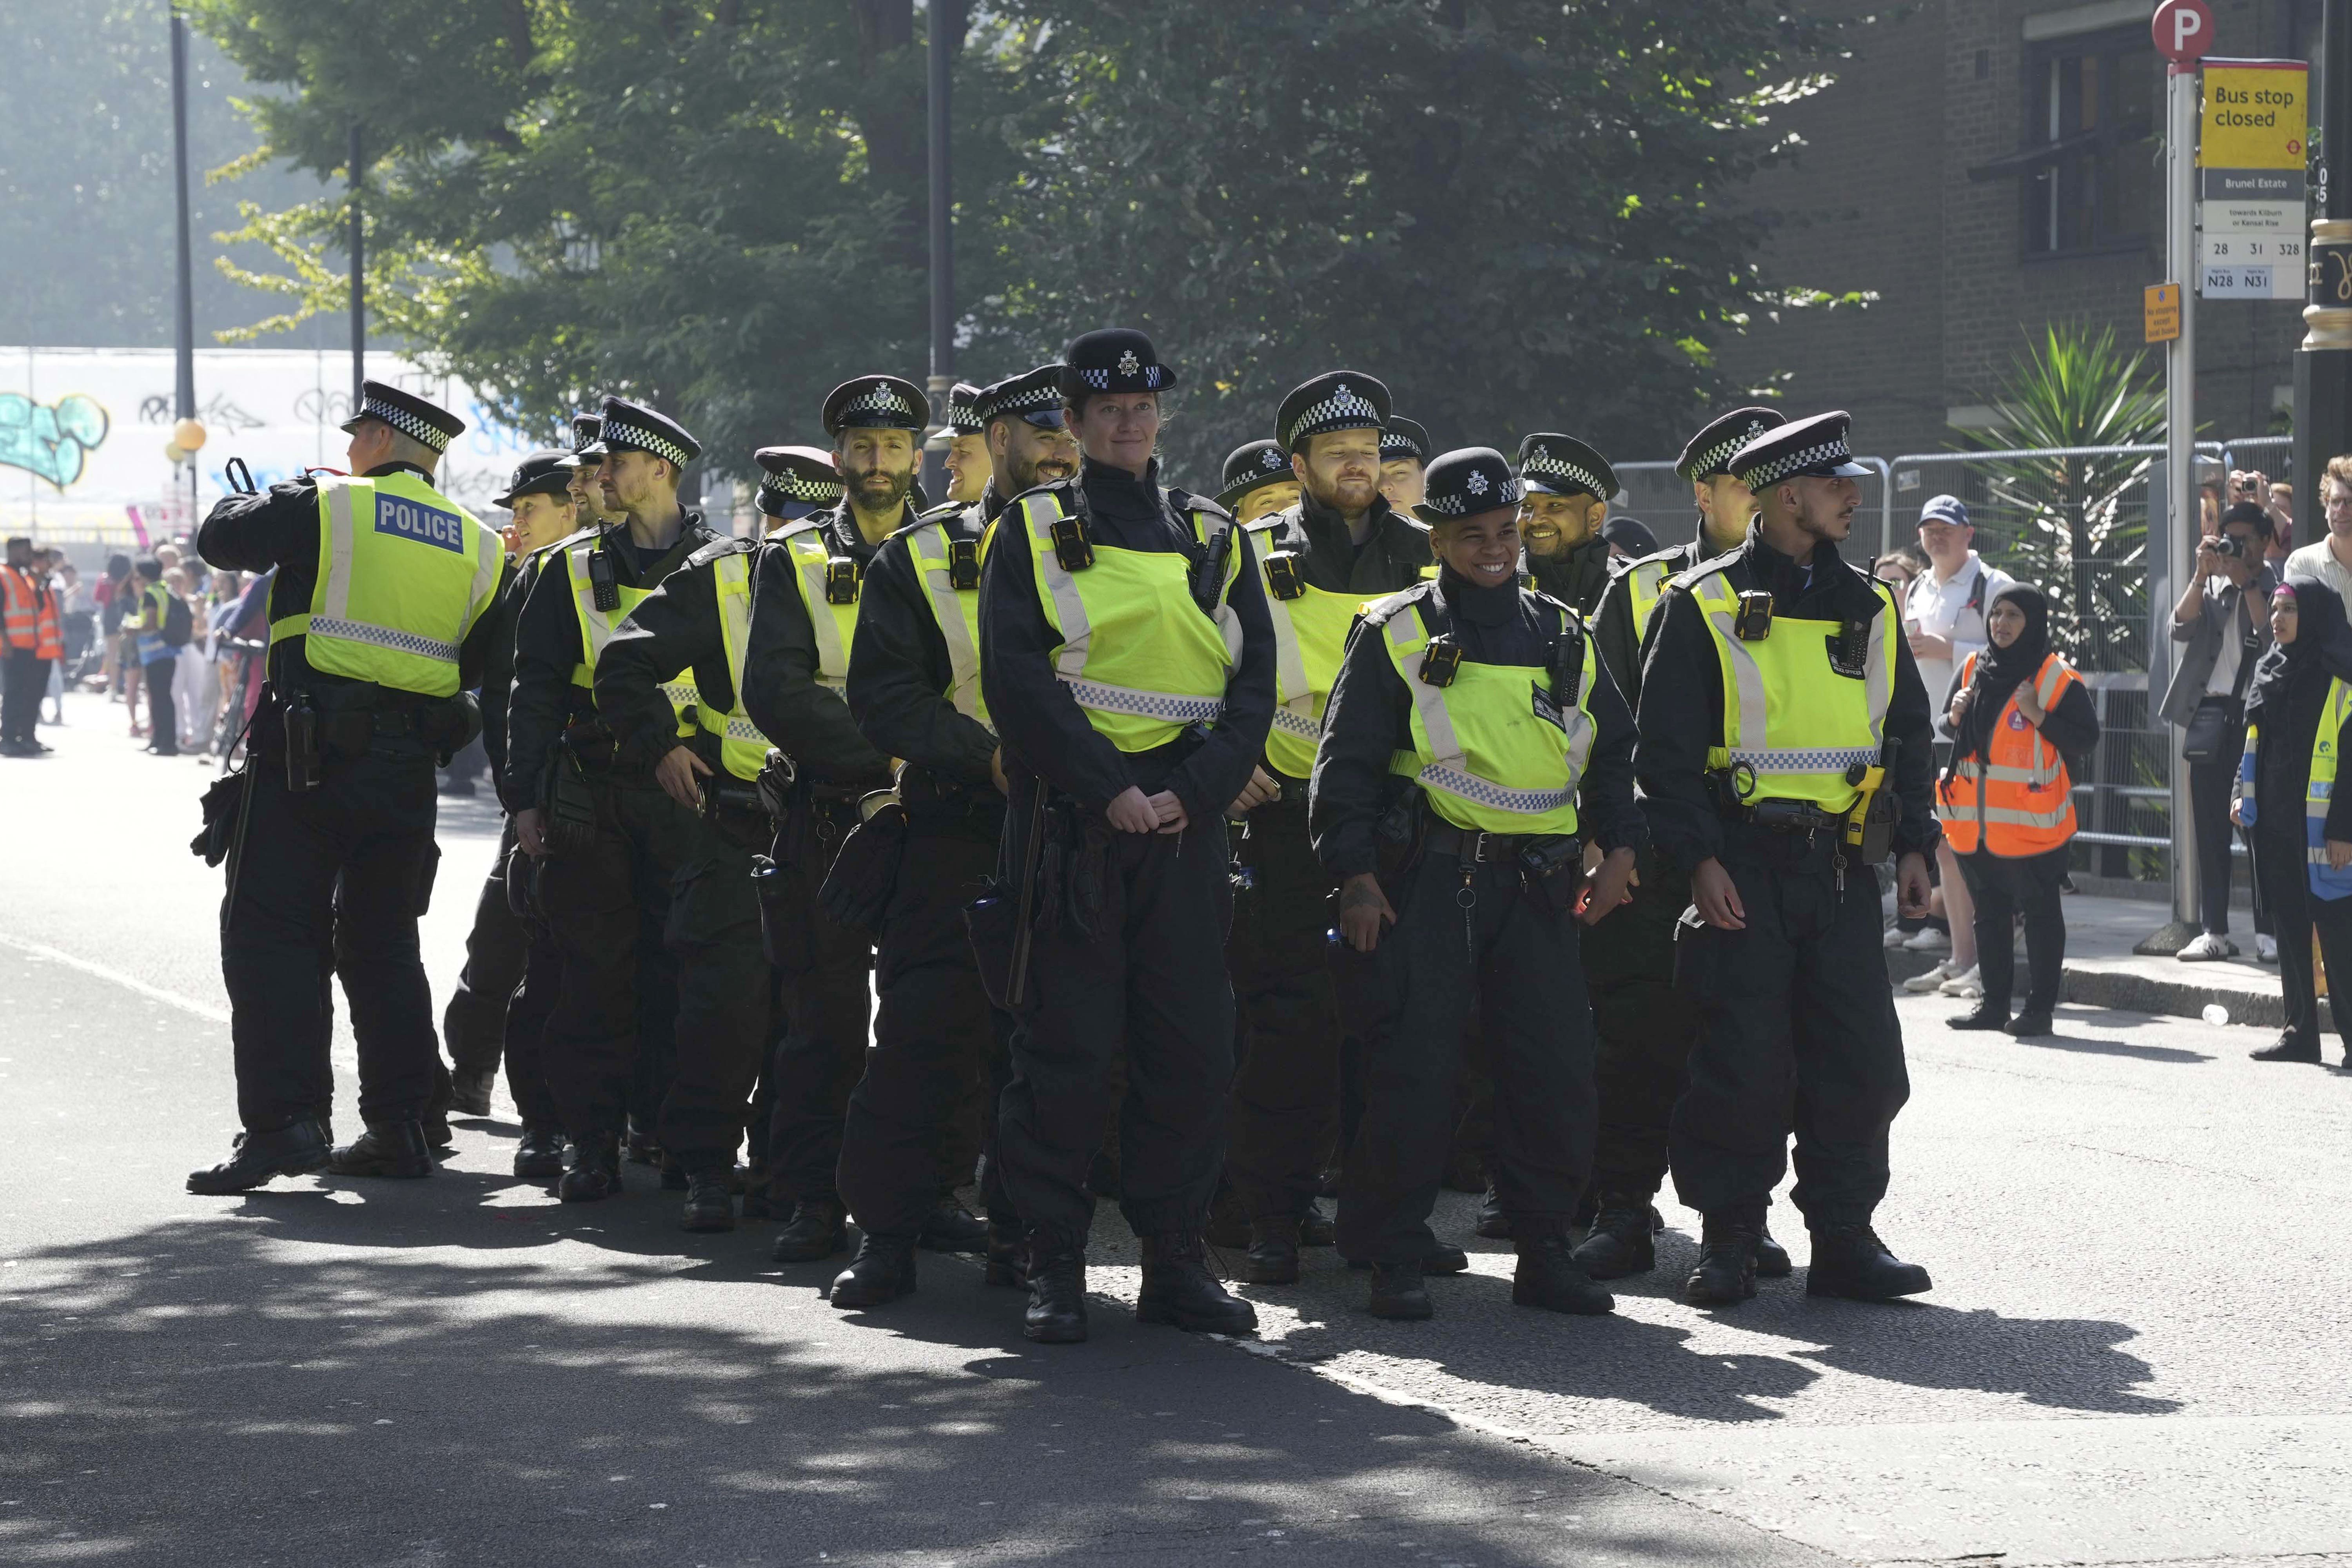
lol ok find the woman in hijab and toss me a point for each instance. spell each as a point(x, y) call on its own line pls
point(2020, 717)
point(2300, 693)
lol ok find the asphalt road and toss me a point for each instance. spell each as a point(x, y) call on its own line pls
point(2136, 1350)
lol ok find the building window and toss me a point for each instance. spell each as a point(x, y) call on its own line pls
point(2091, 177)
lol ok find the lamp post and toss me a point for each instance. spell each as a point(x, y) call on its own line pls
point(2322, 365)
point(945, 24)
point(359, 280)
point(183, 324)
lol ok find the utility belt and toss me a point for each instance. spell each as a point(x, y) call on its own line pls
point(1788, 816)
point(1793, 831)
point(941, 800)
point(1549, 866)
point(345, 723)
point(591, 743)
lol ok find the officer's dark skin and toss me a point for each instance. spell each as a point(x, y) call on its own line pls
point(1484, 548)
point(1792, 517)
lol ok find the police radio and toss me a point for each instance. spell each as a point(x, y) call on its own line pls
point(840, 580)
point(1282, 575)
point(604, 588)
point(1850, 650)
point(963, 564)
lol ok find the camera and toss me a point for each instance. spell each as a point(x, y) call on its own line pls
point(2228, 547)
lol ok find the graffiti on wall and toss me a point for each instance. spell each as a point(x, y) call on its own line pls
point(51, 440)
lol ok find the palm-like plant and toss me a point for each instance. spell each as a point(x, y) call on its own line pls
point(2075, 521)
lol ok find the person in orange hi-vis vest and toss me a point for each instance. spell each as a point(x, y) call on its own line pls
point(2018, 712)
point(34, 640)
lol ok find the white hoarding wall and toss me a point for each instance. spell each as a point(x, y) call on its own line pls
point(83, 433)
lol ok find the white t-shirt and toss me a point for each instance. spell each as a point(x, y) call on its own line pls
point(2318, 560)
point(1953, 608)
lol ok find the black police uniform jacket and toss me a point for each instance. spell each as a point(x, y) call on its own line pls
point(899, 671)
point(809, 722)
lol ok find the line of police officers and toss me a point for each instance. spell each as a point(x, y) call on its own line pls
point(1225, 839)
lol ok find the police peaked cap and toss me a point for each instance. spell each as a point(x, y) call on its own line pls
point(876, 403)
point(1253, 466)
point(633, 427)
point(1631, 535)
point(1560, 465)
point(1404, 439)
point(795, 475)
point(585, 429)
point(1466, 482)
point(963, 409)
point(1335, 400)
point(1710, 451)
point(1034, 397)
point(546, 472)
point(1113, 359)
point(1816, 446)
point(426, 424)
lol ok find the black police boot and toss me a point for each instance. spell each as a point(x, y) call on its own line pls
point(1771, 1258)
point(1987, 1014)
point(951, 1227)
point(710, 1199)
point(1493, 1222)
point(386, 1149)
point(643, 1150)
point(1465, 1172)
point(1726, 1274)
point(674, 1177)
point(1228, 1225)
point(1439, 1260)
point(1620, 1242)
point(2033, 1024)
point(883, 1270)
point(755, 1192)
point(595, 1172)
point(1056, 1315)
point(816, 1231)
point(1316, 1228)
point(1273, 1252)
point(1849, 1260)
point(470, 1091)
point(1008, 1257)
point(539, 1157)
point(437, 1135)
point(2289, 1047)
point(1179, 1288)
point(1547, 1278)
point(1398, 1292)
point(256, 1157)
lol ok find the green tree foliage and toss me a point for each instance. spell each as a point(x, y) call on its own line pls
point(1513, 211)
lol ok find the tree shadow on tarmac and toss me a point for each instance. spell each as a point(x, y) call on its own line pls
point(397, 1373)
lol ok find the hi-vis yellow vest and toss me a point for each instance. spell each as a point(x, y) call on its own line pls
point(1135, 651)
point(596, 629)
point(956, 610)
point(2325, 882)
point(1793, 728)
point(1645, 584)
point(404, 574)
point(836, 625)
point(1494, 748)
point(1310, 642)
point(742, 749)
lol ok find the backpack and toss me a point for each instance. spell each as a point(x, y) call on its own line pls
point(179, 626)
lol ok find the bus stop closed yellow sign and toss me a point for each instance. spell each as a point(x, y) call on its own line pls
point(2257, 114)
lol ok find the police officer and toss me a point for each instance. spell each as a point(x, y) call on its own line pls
point(915, 692)
point(1258, 481)
point(611, 837)
point(379, 619)
point(807, 586)
point(964, 447)
point(585, 485)
point(1127, 664)
point(1783, 722)
point(794, 481)
point(493, 1010)
point(1645, 1026)
point(1473, 745)
point(1567, 488)
point(1321, 558)
point(1404, 456)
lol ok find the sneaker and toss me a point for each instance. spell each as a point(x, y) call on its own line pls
point(2265, 949)
point(1964, 984)
point(1895, 937)
point(1921, 985)
point(2209, 946)
point(1927, 939)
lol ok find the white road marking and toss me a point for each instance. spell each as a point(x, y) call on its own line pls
point(204, 1010)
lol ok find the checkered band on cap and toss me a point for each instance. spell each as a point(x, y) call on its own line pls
point(620, 434)
point(407, 424)
point(795, 486)
point(1474, 499)
point(1771, 470)
point(963, 409)
point(1395, 443)
point(1717, 459)
point(1023, 399)
point(1344, 409)
point(1542, 464)
point(880, 398)
point(1100, 379)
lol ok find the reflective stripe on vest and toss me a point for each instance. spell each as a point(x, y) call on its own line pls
point(836, 625)
point(404, 574)
point(1790, 721)
point(597, 627)
point(957, 612)
point(1141, 604)
point(154, 609)
point(2019, 802)
point(1310, 641)
point(1480, 748)
point(1645, 583)
point(32, 616)
point(2326, 883)
point(742, 749)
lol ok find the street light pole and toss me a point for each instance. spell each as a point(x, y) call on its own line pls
point(184, 396)
point(359, 280)
point(2322, 365)
point(945, 24)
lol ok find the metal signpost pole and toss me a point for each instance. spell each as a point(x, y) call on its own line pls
point(944, 25)
point(2323, 366)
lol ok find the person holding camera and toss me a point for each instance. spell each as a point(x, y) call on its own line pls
point(2222, 624)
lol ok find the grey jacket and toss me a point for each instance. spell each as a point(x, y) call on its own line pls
point(2202, 638)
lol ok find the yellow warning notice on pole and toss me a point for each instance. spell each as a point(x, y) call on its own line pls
point(2257, 115)
point(2253, 140)
point(2159, 309)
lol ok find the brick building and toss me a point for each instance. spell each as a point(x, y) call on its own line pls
point(1987, 167)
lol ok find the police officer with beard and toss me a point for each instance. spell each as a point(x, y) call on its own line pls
point(1567, 488)
point(1784, 750)
point(807, 586)
point(915, 692)
point(1321, 559)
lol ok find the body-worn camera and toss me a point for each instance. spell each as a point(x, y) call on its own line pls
point(963, 564)
point(1753, 620)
